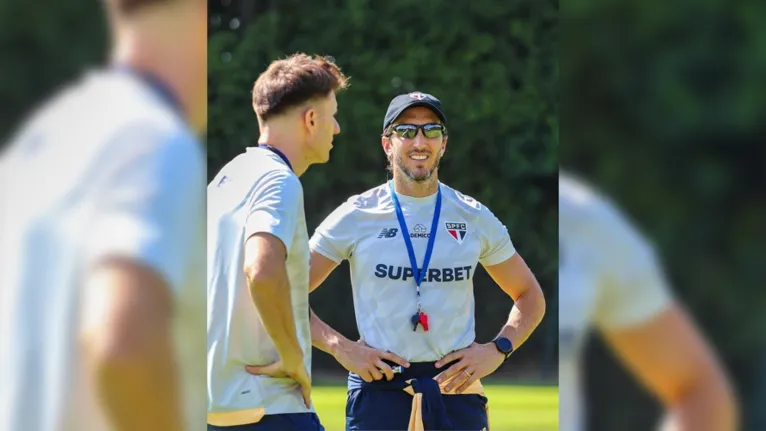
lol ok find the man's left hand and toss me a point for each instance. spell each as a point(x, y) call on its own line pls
point(474, 362)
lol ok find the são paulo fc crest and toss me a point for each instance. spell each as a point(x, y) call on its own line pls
point(456, 230)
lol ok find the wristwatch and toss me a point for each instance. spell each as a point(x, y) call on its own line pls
point(504, 346)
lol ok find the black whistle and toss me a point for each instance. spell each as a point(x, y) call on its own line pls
point(415, 321)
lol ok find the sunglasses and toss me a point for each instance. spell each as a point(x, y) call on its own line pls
point(409, 131)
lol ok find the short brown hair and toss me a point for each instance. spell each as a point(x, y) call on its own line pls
point(295, 80)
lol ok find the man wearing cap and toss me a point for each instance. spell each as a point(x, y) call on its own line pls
point(413, 245)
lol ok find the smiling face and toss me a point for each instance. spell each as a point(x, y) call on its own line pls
point(417, 158)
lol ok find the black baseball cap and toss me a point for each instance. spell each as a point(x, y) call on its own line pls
point(405, 101)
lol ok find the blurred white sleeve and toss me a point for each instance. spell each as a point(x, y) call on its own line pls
point(151, 206)
point(632, 285)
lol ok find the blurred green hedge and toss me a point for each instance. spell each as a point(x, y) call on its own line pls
point(44, 44)
point(493, 65)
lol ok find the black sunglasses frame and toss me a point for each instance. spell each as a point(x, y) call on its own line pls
point(418, 129)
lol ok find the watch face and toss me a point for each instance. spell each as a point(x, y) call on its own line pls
point(504, 344)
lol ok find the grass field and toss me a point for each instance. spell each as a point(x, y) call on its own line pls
point(522, 408)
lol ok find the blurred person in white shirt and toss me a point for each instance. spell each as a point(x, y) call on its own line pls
point(610, 280)
point(102, 305)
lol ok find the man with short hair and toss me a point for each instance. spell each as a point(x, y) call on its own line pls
point(259, 340)
point(102, 305)
point(413, 245)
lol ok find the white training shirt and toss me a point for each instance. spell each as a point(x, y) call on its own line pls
point(106, 168)
point(609, 278)
point(255, 192)
point(365, 231)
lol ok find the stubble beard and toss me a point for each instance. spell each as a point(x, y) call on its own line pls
point(420, 179)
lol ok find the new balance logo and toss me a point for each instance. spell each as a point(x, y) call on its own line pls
point(388, 233)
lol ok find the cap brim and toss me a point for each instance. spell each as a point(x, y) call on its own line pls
point(427, 104)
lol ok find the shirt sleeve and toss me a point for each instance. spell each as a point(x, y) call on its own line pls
point(151, 207)
point(275, 206)
point(496, 244)
point(633, 287)
point(334, 238)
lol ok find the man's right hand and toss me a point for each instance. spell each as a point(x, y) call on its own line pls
point(294, 370)
point(366, 361)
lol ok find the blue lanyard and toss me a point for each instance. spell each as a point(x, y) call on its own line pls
point(279, 153)
point(419, 273)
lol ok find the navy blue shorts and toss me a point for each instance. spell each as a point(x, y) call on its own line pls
point(283, 422)
point(381, 406)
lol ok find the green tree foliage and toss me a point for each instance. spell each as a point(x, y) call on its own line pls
point(493, 65)
point(45, 44)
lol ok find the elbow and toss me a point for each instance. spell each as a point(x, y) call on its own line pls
point(260, 274)
point(126, 318)
point(254, 272)
point(126, 345)
point(532, 304)
point(709, 396)
point(723, 400)
point(539, 303)
point(541, 308)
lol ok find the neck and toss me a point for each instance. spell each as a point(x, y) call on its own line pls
point(418, 189)
point(287, 145)
point(141, 46)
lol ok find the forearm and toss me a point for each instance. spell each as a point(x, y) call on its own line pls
point(709, 406)
point(271, 297)
point(325, 338)
point(525, 316)
point(142, 381)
